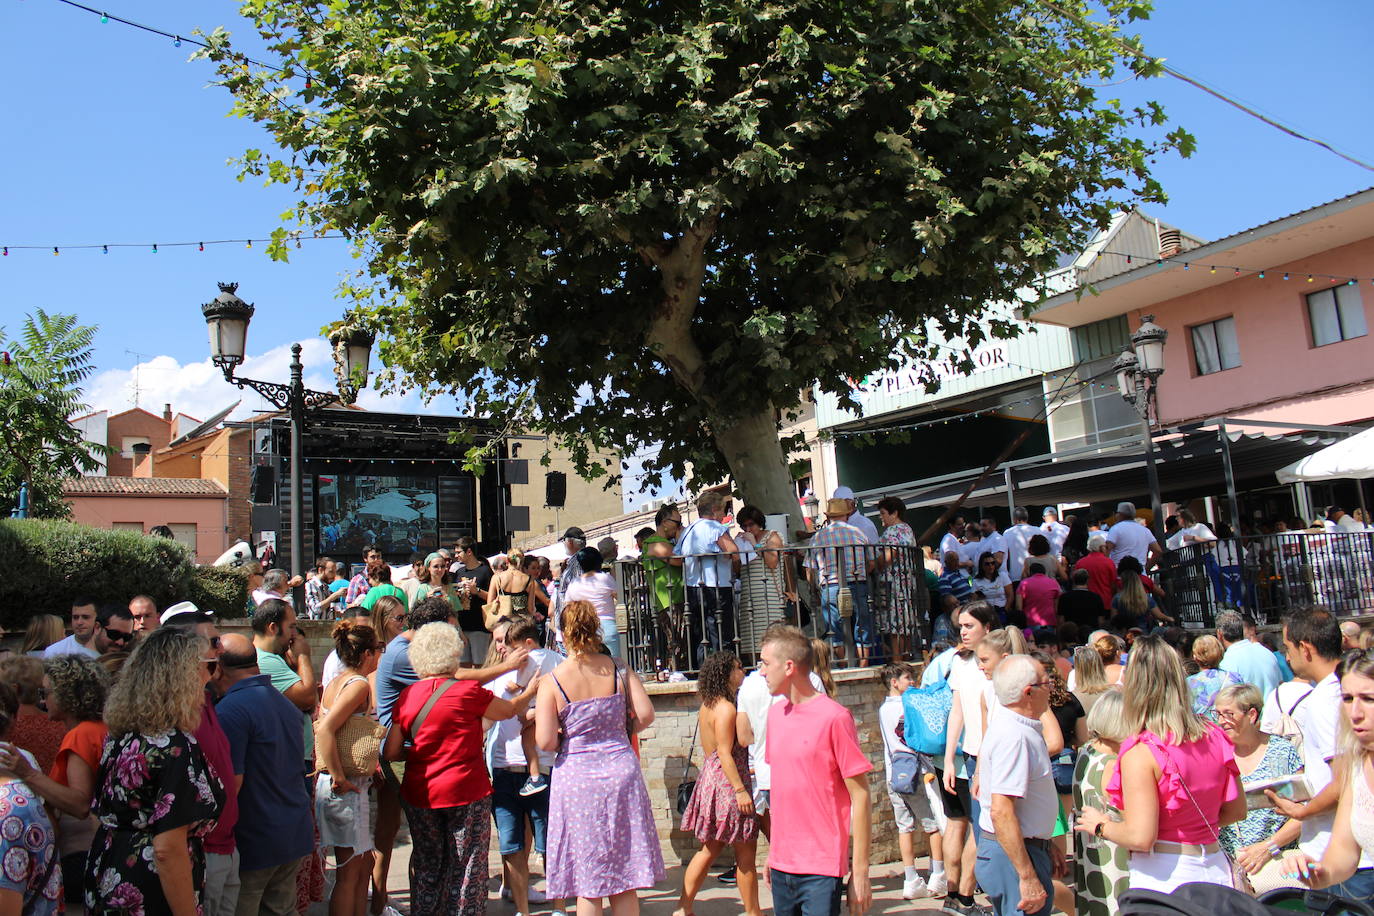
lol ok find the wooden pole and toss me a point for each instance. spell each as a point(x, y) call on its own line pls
point(953, 507)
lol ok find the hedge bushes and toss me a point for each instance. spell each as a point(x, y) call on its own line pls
point(48, 563)
point(219, 590)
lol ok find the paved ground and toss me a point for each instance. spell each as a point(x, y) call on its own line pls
point(714, 900)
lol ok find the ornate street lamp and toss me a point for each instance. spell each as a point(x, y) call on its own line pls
point(1138, 369)
point(227, 317)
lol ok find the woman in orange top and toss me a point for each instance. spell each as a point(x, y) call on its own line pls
point(75, 686)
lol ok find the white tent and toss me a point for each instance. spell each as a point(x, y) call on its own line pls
point(1351, 458)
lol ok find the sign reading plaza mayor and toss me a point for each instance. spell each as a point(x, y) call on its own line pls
point(909, 378)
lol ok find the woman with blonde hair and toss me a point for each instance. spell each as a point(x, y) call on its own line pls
point(820, 665)
point(1177, 784)
point(602, 842)
point(1102, 869)
point(1088, 679)
point(1109, 648)
point(1210, 679)
point(388, 618)
point(514, 589)
point(43, 631)
point(341, 803)
point(156, 796)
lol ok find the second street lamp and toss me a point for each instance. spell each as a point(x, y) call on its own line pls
point(1138, 369)
point(227, 317)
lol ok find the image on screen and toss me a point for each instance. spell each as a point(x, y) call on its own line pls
point(397, 512)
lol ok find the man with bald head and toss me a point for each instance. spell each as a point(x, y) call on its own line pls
point(275, 828)
point(144, 611)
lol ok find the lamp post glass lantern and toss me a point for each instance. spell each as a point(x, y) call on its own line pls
point(227, 317)
point(1138, 369)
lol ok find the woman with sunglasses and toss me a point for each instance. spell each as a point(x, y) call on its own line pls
point(991, 583)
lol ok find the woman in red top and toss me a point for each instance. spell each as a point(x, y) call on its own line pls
point(446, 783)
point(76, 686)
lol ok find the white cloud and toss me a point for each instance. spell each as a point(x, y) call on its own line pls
point(199, 389)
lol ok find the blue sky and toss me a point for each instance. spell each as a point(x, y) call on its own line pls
point(112, 137)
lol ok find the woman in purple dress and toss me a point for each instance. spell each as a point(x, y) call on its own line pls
point(601, 837)
point(721, 811)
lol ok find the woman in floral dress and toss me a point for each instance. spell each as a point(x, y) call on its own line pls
point(156, 796)
point(897, 615)
point(1209, 681)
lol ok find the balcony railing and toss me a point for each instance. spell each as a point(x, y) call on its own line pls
point(1267, 575)
point(875, 595)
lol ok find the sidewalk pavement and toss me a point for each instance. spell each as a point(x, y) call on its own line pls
point(715, 898)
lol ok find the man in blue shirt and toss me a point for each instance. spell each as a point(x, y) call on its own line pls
point(710, 582)
point(954, 581)
point(1249, 661)
point(275, 829)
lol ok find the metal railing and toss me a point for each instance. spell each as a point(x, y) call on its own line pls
point(872, 600)
point(1268, 575)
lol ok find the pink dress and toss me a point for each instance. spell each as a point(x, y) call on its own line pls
point(713, 814)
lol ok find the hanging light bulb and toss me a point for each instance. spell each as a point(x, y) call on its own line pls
point(104, 249)
point(104, 18)
point(176, 41)
point(200, 246)
point(1285, 275)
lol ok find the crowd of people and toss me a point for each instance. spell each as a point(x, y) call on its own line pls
point(1061, 742)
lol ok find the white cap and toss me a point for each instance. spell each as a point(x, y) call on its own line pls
point(181, 607)
point(843, 493)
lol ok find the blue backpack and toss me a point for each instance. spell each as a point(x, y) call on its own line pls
point(925, 712)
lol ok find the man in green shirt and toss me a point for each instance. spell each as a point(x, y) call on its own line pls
point(284, 654)
point(663, 572)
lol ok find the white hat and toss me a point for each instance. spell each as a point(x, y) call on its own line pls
point(842, 493)
point(181, 607)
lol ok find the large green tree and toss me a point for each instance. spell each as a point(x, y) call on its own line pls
point(41, 375)
point(634, 223)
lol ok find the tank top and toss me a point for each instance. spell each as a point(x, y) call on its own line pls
point(1362, 812)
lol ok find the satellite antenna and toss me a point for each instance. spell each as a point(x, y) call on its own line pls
point(138, 360)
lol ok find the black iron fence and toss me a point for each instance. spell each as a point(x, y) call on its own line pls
point(871, 600)
point(1267, 575)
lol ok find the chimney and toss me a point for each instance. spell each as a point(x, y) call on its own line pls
point(167, 412)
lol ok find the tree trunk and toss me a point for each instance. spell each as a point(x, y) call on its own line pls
point(751, 447)
point(749, 442)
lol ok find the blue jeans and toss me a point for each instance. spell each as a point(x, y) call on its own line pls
point(862, 621)
point(999, 879)
point(509, 809)
point(610, 637)
point(1359, 886)
point(805, 895)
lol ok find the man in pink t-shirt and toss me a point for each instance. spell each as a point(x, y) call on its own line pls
point(819, 788)
point(1038, 598)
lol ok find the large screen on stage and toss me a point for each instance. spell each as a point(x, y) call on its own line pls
point(397, 512)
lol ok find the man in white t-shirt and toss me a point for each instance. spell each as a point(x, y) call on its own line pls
point(1016, 860)
point(1055, 530)
point(950, 542)
point(82, 640)
point(1016, 542)
point(993, 542)
point(511, 809)
point(1129, 538)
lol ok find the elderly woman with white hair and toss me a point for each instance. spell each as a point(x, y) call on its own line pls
point(437, 729)
point(1102, 869)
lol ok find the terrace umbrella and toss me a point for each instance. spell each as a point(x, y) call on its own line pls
point(1351, 458)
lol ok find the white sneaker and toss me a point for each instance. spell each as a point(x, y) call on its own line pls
point(938, 886)
point(914, 888)
point(537, 896)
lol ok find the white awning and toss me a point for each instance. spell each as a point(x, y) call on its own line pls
point(1351, 458)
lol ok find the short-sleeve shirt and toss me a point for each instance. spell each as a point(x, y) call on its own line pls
point(1319, 717)
point(1253, 664)
point(972, 551)
point(841, 554)
point(1017, 542)
point(1040, 600)
point(808, 797)
point(1083, 607)
point(214, 744)
point(505, 748)
point(948, 544)
point(263, 727)
point(69, 646)
point(394, 675)
point(1102, 577)
point(969, 684)
point(470, 618)
point(1130, 539)
point(700, 538)
point(665, 579)
point(386, 588)
point(27, 851)
point(284, 677)
point(955, 582)
point(86, 740)
point(444, 765)
point(994, 590)
point(599, 589)
point(1015, 762)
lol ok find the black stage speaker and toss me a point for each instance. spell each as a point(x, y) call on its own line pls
point(263, 483)
point(555, 489)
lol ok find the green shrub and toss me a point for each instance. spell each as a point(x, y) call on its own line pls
point(48, 563)
point(219, 590)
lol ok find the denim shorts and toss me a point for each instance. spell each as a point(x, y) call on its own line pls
point(805, 895)
point(509, 809)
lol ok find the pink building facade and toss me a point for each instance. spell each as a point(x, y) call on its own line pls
point(195, 510)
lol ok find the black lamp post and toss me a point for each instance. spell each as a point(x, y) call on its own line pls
point(1138, 369)
point(227, 317)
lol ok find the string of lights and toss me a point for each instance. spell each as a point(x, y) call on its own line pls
point(154, 247)
point(177, 38)
point(1260, 273)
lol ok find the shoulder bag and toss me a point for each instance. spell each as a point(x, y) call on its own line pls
point(687, 787)
point(415, 726)
point(359, 741)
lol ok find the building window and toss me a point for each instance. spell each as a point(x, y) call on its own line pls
point(1095, 414)
point(1214, 346)
point(127, 443)
point(184, 533)
point(1336, 314)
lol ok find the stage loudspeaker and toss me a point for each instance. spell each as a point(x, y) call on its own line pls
point(555, 489)
point(263, 483)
